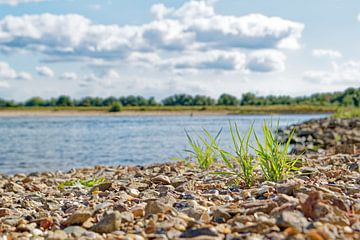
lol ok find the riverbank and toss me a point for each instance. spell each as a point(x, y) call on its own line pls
point(172, 201)
point(165, 110)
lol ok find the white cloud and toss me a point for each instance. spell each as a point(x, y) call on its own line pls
point(266, 61)
point(215, 59)
point(4, 84)
point(358, 18)
point(45, 71)
point(16, 2)
point(345, 73)
point(8, 73)
point(326, 53)
point(193, 27)
point(69, 76)
point(104, 78)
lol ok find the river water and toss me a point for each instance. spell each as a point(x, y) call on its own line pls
point(60, 143)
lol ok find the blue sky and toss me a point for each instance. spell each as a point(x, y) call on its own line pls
point(158, 48)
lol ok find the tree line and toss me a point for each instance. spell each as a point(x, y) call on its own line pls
point(349, 97)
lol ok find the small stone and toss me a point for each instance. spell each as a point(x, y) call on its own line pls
point(220, 214)
point(197, 232)
point(75, 231)
point(161, 179)
point(57, 235)
point(4, 212)
point(102, 187)
point(127, 217)
point(133, 192)
point(348, 230)
point(138, 212)
point(78, 218)
point(37, 232)
point(46, 223)
point(109, 223)
point(155, 207)
point(293, 219)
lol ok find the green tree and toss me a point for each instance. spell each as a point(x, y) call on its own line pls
point(228, 100)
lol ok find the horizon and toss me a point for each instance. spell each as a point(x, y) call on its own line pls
point(158, 48)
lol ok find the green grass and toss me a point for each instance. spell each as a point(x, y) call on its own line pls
point(273, 156)
point(240, 165)
point(275, 109)
point(347, 113)
point(84, 183)
point(203, 148)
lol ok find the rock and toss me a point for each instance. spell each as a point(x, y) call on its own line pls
point(161, 179)
point(46, 223)
point(287, 188)
point(133, 192)
point(155, 207)
point(4, 212)
point(220, 215)
point(138, 212)
point(102, 187)
point(197, 232)
point(78, 218)
point(75, 231)
point(14, 187)
point(57, 235)
point(293, 219)
point(109, 223)
point(127, 217)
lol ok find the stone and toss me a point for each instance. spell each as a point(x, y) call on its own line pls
point(161, 179)
point(57, 235)
point(155, 207)
point(4, 212)
point(220, 215)
point(109, 223)
point(78, 218)
point(133, 192)
point(198, 232)
point(294, 219)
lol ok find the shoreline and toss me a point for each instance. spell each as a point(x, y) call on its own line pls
point(138, 113)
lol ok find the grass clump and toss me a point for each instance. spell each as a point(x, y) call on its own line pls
point(241, 164)
point(203, 148)
point(272, 154)
point(347, 113)
point(82, 183)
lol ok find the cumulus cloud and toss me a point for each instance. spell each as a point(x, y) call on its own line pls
point(326, 53)
point(45, 71)
point(8, 73)
point(344, 73)
point(193, 27)
point(215, 59)
point(16, 2)
point(4, 84)
point(266, 61)
point(69, 76)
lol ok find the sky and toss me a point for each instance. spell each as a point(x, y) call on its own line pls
point(159, 48)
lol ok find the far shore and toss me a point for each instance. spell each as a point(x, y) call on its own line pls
point(164, 111)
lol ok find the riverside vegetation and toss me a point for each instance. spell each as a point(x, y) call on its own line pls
point(271, 155)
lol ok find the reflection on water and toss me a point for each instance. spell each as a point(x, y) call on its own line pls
point(62, 143)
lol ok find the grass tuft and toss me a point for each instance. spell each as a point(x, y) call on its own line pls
point(203, 148)
point(272, 154)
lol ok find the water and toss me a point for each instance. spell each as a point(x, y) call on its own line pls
point(61, 143)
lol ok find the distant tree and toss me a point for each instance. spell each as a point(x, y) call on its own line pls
point(109, 101)
point(115, 107)
point(152, 102)
point(35, 101)
point(64, 101)
point(228, 100)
